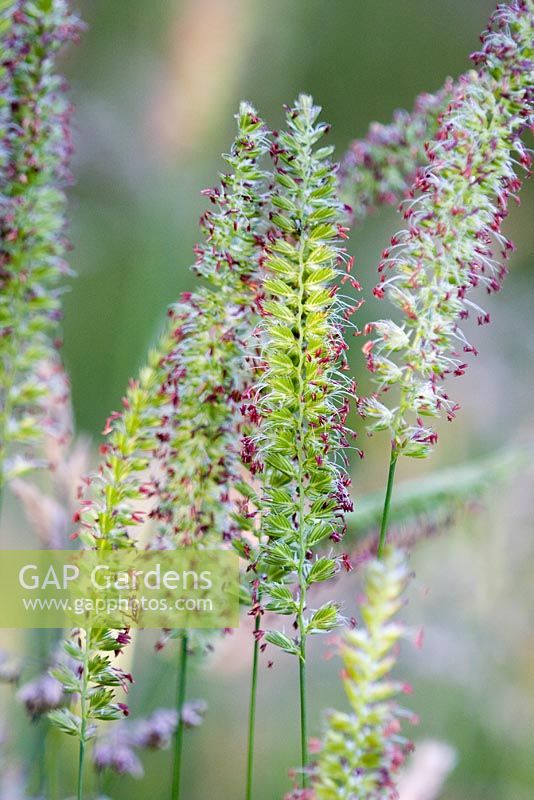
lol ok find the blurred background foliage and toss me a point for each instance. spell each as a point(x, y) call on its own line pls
point(155, 86)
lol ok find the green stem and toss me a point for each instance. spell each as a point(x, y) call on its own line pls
point(387, 502)
point(83, 714)
point(179, 736)
point(81, 761)
point(301, 458)
point(301, 527)
point(252, 709)
point(303, 713)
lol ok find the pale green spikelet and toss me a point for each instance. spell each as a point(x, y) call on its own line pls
point(300, 399)
point(361, 750)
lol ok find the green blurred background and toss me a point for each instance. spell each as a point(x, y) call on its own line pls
point(155, 85)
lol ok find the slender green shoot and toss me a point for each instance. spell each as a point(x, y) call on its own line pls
point(252, 709)
point(179, 735)
point(387, 503)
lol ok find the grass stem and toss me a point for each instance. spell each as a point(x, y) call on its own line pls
point(252, 709)
point(387, 502)
point(83, 715)
point(303, 714)
point(81, 761)
point(179, 735)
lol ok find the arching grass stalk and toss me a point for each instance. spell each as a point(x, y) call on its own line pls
point(299, 402)
point(180, 701)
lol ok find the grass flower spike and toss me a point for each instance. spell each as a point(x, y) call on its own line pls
point(454, 228)
point(205, 369)
point(111, 506)
point(88, 674)
point(34, 154)
point(363, 749)
point(108, 513)
point(301, 396)
point(168, 454)
point(380, 168)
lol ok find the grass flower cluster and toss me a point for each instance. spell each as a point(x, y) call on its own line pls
point(380, 168)
point(362, 750)
point(35, 151)
point(301, 396)
point(454, 228)
point(171, 446)
point(112, 499)
point(105, 521)
point(90, 676)
point(205, 372)
point(205, 375)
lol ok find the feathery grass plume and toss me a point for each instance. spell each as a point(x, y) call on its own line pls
point(178, 414)
point(206, 372)
point(362, 750)
point(380, 168)
point(111, 504)
point(164, 401)
point(300, 399)
point(35, 150)
point(107, 518)
point(109, 512)
point(454, 228)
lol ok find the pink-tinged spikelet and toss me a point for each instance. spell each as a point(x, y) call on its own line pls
point(35, 150)
point(453, 236)
point(380, 168)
